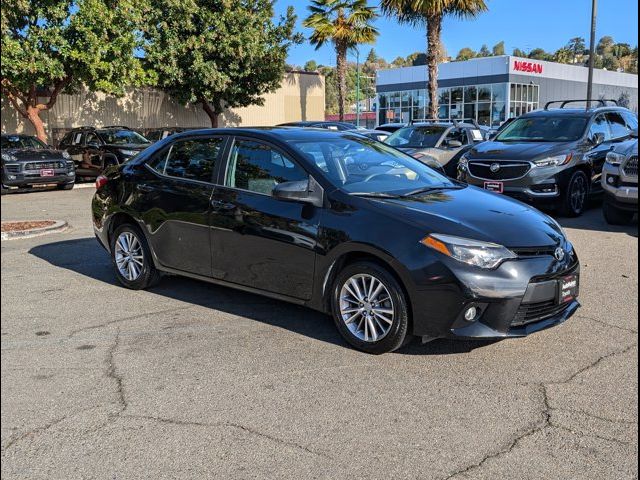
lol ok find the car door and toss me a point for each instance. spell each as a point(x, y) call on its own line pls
point(174, 196)
point(75, 148)
point(258, 240)
point(598, 153)
point(92, 162)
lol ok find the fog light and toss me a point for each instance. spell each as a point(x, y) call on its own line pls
point(611, 180)
point(471, 314)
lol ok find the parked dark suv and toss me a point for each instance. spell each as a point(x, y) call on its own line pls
point(26, 161)
point(341, 223)
point(550, 156)
point(94, 149)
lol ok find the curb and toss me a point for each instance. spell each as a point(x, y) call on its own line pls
point(58, 226)
point(84, 185)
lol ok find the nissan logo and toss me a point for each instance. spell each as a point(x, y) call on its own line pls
point(495, 167)
point(559, 254)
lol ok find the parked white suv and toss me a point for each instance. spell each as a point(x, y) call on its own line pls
point(620, 182)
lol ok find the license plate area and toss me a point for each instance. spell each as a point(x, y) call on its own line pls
point(47, 172)
point(568, 289)
point(495, 187)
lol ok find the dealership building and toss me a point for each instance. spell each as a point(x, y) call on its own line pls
point(492, 89)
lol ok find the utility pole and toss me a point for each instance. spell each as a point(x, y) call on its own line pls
point(357, 87)
point(592, 51)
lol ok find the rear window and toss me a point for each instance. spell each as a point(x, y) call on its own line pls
point(544, 129)
point(416, 137)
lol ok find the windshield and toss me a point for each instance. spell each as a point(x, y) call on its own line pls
point(22, 142)
point(416, 137)
point(544, 129)
point(122, 137)
point(360, 165)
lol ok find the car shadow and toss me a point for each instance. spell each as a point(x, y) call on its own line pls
point(593, 220)
point(85, 257)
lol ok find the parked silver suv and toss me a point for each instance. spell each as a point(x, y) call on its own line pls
point(620, 182)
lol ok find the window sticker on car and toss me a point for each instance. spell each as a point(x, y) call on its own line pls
point(477, 135)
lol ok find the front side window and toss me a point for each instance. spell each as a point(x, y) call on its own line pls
point(122, 137)
point(92, 138)
point(544, 129)
point(619, 128)
point(257, 167)
point(359, 165)
point(21, 142)
point(600, 125)
point(193, 159)
point(417, 137)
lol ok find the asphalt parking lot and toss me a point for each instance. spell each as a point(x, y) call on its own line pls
point(190, 380)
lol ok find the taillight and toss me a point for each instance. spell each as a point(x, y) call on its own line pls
point(101, 181)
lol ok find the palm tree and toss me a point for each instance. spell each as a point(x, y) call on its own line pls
point(346, 24)
point(431, 13)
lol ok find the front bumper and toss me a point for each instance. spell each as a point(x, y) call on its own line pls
point(621, 190)
point(518, 298)
point(25, 178)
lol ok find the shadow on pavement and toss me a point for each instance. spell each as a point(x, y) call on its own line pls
point(85, 257)
point(593, 220)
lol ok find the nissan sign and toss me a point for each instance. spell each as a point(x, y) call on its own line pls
point(529, 67)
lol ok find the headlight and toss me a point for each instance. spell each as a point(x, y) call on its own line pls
point(129, 153)
point(554, 161)
point(65, 154)
point(615, 158)
point(7, 157)
point(472, 252)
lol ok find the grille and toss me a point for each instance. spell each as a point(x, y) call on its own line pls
point(535, 312)
point(534, 251)
point(631, 167)
point(42, 165)
point(507, 171)
point(12, 168)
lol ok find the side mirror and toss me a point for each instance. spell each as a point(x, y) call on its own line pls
point(454, 144)
point(597, 139)
point(634, 133)
point(304, 191)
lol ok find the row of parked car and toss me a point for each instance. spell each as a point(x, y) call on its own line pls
point(556, 157)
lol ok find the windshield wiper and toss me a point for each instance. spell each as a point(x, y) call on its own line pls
point(375, 195)
point(418, 191)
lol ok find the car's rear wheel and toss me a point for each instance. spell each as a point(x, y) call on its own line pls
point(615, 216)
point(370, 308)
point(575, 196)
point(132, 258)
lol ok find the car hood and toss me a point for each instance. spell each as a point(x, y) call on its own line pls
point(31, 154)
point(474, 213)
point(128, 146)
point(518, 150)
point(628, 147)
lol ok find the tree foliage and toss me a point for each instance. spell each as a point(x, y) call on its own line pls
point(218, 53)
point(55, 46)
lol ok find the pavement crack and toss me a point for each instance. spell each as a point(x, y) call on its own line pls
point(588, 435)
point(596, 417)
point(112, 373)
point(602, 322)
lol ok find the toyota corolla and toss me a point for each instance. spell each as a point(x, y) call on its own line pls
point(390, 248)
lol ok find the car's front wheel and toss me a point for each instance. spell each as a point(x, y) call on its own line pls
point(132, 258)
point(66, 186)
point(615, 216)
point(574, 198)
point(370, 308)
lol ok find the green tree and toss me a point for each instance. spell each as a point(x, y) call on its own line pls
point(346, 24)
point(484, 51)
point(621, 50)
point(311, 66)
point(330, 90)
point(498, 49)
point(540, 54)
point(563, 55)
point(55, 46)
point(605, 45)
point(417, 59)
point(577, 46)
point(430, 13)
point(399, 62)
point(517, 52)
point(217, 53)
point(466, 54)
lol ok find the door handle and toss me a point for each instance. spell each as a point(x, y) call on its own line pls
point(144, 188)
point(222, 205)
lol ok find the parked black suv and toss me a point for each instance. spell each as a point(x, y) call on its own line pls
point(552, 156)
point(94, 149)
point(26, 161)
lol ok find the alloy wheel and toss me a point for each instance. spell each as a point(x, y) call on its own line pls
point(366, 307)
point(578, 193)
point(129, 256)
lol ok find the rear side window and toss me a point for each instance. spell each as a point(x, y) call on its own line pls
point(257, 167)
point(600, 125)
point(631, 119)
point(619, 128)
point(193, 159)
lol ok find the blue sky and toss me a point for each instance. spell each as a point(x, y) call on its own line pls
point(525, 24)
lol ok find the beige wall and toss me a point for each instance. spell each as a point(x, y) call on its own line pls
point(301, 97)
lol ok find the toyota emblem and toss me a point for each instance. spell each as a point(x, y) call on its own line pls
point(559, 254)
point(495, 167)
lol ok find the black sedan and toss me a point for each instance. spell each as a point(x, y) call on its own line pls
point(26, 161)
point(340, 223)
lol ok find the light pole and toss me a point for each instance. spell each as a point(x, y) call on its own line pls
point(592, 51)
point(357, 86)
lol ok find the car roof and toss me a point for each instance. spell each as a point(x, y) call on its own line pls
point(282, 133)
point(574, 112)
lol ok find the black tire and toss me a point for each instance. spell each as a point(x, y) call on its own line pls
point(615, 216)
point(395, 337)
point(575, 195)
point(148, 275)
point(66, 186)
